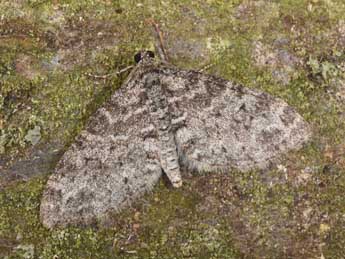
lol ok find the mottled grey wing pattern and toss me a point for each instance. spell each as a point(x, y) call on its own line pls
point(227, 125)
point(166, 118)
point(111, 163)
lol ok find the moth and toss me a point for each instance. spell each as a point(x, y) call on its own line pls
point(166, 120)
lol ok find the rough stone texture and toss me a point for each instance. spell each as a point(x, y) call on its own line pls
point(279, 61)
point(217, 126)
point(340, 30)
point(40, 159)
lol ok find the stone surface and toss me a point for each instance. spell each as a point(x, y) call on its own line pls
point(276, 59)
point(216, 126)
point(39, 160)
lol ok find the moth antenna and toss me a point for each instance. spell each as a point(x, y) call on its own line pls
point(119, 72)
point(161, 50)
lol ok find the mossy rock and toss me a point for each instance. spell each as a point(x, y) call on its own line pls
point(47, 50)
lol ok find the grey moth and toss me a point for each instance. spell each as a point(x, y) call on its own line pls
point(166, 120)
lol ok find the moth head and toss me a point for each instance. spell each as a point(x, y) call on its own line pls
point(143, 55)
